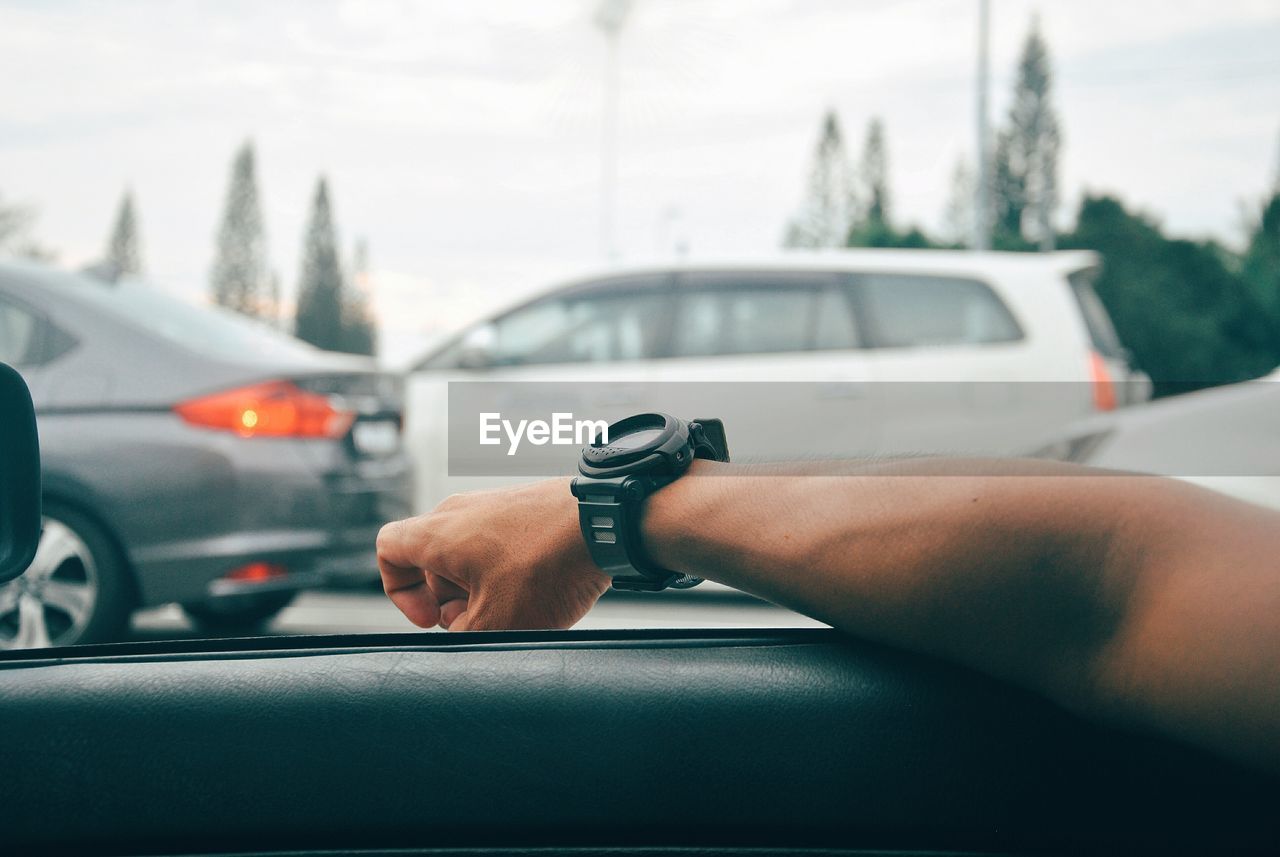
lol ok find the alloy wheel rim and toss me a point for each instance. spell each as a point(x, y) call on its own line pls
point(52, 602)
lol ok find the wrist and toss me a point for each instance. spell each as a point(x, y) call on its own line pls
point(667, 529)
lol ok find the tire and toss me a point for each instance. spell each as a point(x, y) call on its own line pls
point(77, 590)
point(237, 614)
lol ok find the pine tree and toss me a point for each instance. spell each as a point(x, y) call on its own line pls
point(874, 177)
point(124, 253)
point(238, 279)
point(957, 218)
point(361, 333)
point(1026, 162)
point(320, 289)
point(871, 226)
point(1009, 196)
point(827, 213)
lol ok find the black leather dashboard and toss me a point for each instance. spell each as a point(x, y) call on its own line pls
point(790, 738)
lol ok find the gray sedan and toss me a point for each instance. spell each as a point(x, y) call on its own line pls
point(1225, 438)
point(189, 456)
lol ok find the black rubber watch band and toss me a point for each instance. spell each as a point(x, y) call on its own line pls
point(609, 513)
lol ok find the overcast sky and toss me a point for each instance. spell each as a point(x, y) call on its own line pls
point(462, 138)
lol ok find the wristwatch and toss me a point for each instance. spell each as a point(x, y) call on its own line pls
point(619, 469)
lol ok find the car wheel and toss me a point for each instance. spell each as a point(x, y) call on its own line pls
point(231, 614)
point(75, 591)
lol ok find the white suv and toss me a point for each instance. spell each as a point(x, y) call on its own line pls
point(874, 352)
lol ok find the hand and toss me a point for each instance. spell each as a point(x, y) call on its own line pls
point(511, 558)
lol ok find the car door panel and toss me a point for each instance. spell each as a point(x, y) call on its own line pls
point(509, 741)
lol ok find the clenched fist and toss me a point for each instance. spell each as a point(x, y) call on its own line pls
point(507, 559)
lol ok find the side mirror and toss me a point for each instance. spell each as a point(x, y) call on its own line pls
point(19, 476)
point(478, 347)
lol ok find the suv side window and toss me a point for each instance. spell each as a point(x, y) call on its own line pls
point(586, 329)
point(748, 313)
point(611, 321)
point(907, 310)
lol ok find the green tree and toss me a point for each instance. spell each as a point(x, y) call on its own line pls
point(1026, 156)
point(239, 278)
point(1261, 264)
point(872, 226)
point(124, 246)
point(873, 176)
point(873, 223)
point(1190, 320)
point(827, 212)
point(1009, 197)
point(883, 235)
point(320, 289)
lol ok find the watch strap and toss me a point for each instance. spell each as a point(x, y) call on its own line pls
point(609, 515)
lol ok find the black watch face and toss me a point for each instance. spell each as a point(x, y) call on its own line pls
point(636, 440)
point(630, 440)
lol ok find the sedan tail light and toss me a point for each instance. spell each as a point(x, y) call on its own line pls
point(272, 409)
point(257, 572)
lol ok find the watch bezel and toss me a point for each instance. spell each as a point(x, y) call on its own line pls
point(668, 453)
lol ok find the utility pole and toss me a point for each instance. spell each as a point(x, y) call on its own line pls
point(610, 17)
point(982, 189)
point(668, 239)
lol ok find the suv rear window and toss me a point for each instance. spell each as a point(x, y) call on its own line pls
point(1102, 333)
point(906, 310)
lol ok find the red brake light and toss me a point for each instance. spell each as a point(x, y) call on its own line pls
point(1104, 389)
point(256, 572)
point(273, 409)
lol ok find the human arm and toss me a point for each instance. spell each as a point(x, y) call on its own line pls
point(1134, 599)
